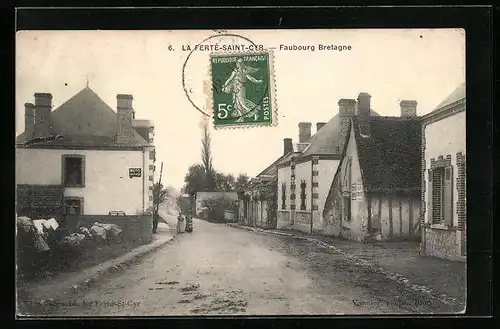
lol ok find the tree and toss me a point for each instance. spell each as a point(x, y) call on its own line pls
point(194, 180)
point(160, 194)
point(241, 182)
point(206, 159)
point(223, 182)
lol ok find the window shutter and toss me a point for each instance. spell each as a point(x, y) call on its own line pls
point(429, 197)
point(448, 196)
point(63, 170)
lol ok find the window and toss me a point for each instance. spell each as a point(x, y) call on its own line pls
point(346, 206)
point(437, 195)
point(73, 170)
point(283, 196)
point(303, 195)
point(73, 206)
point(440, 192)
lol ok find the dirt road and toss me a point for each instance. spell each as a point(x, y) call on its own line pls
point(220, 270)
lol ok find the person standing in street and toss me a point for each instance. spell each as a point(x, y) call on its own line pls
point(180, 222)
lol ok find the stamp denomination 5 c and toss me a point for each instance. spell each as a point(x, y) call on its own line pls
point(243, 89)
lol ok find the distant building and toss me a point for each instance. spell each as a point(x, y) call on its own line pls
point(444, 178)
point(376, 189)
point(84, 158)
point(305, 177)
point(202, 197)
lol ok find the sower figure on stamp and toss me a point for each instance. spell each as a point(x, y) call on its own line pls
point(234, 85)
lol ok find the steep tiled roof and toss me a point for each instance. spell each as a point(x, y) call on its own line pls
point(456, 95)
point(390, 158)
point(85, 120)
point(327, 139)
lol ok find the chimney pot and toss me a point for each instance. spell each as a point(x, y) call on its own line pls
point(43, 108)
point(408, 108)
point(125, 117)
point(319, 125)
point(287, 146)
point(304, 131)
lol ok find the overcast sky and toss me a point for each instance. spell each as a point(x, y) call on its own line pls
point(391, 65)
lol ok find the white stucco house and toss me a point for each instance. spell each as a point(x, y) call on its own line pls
point(84, 158)
point(444, 178)
point(305, 177)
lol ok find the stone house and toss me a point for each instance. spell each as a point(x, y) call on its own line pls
point(375, 192)
point(305, 177)
point(444, 178)
point(84, 158)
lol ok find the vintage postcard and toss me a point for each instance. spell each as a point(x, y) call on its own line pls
point(245, 172)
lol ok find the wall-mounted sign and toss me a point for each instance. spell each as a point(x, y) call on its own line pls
point(134, 172)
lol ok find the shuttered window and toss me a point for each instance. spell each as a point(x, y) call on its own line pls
point(437, 195)
point(441, 195)
point(303, 195)
point(283, 196)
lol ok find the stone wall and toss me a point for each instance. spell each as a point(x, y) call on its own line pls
point(302, 222)
point(135, 229)
point(283, 219)
point(442, 243)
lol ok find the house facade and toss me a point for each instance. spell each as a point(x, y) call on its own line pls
point(92, 160)
point(376, 188)
point(444, 178)
point(258, 202)
point(305, 177)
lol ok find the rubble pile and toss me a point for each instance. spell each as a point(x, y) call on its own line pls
point(42, 242)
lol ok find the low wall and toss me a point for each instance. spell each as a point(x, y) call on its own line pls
point(135, 229)
point(302, 222)
point(283, 219)
point(442, 244)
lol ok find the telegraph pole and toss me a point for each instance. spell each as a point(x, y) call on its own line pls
point(159, 190)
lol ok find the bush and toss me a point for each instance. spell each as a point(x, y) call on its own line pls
point(217, 206)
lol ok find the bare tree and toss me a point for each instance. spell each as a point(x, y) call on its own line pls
point(206, 158)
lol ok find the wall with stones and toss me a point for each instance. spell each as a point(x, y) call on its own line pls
point(442, 243)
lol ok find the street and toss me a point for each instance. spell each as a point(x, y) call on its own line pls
point(220, 270)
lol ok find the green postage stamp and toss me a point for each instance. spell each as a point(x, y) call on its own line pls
point(243, 89)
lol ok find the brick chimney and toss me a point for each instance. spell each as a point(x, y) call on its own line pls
point(29, 120)
point(408, 108)
point(364, 113)
point(287, 146)
point(43, 107)
point(304, 132)
point(347, 109)
point(125, 117)
point(319, 125)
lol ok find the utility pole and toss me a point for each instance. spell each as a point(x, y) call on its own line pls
point(159, 190)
